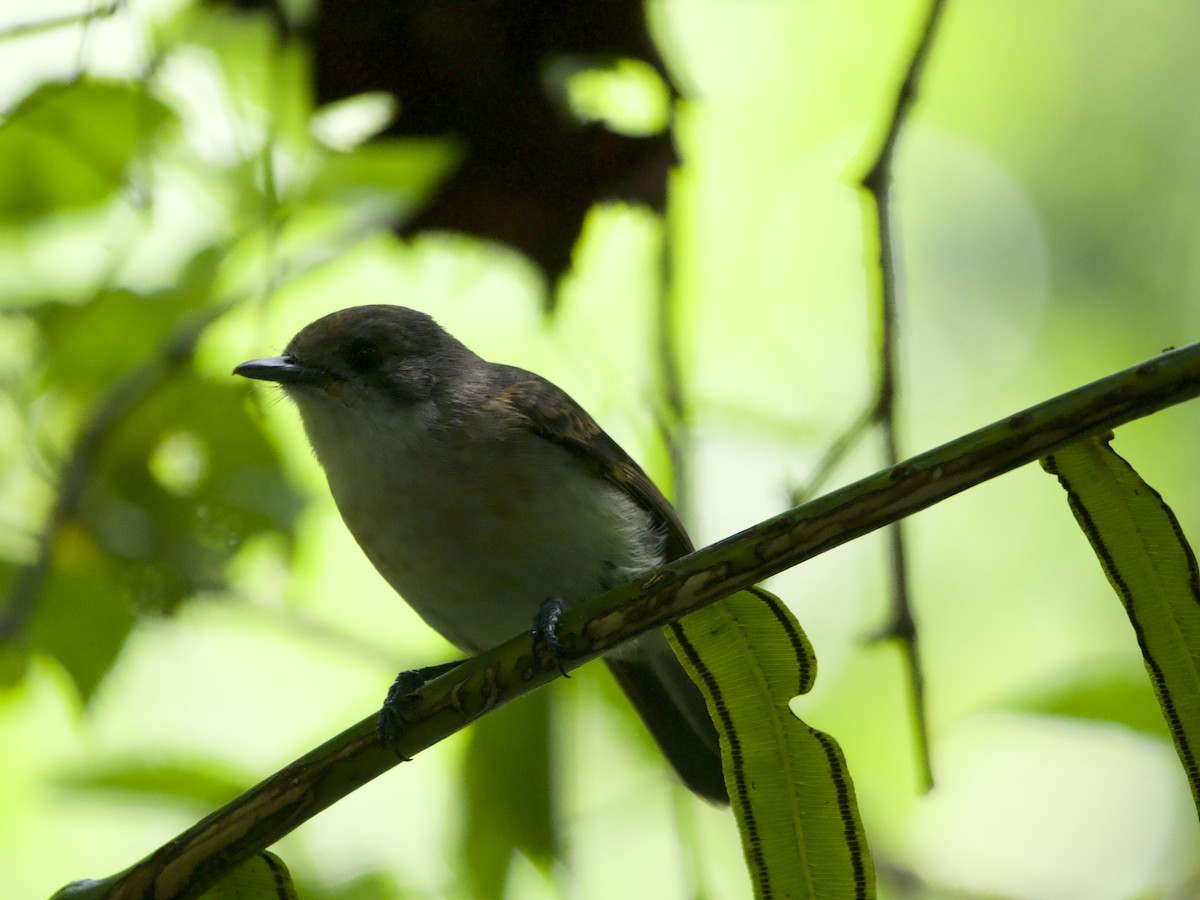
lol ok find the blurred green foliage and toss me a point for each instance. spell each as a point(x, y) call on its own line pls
point(69, 146)
point(128, 537)
point(207, 786)
point(166, 211)
point(513, 813)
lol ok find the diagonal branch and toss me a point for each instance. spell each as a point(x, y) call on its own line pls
point(191, 862)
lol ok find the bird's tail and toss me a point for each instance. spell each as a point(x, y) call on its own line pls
point(675, 712)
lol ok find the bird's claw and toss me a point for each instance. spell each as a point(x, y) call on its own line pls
point(544, 633)
point(391, 715)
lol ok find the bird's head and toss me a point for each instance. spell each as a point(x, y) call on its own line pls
point(361, 373)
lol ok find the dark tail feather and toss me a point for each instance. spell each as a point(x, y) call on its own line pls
point(674, 710)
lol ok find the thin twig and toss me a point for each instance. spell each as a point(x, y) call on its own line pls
point(25, 29)
point(673, 418)
point(289, 618)
point(187, 865)
point(835, 453)
point(901, 625)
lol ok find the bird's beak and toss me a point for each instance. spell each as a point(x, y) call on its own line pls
point(280, 369)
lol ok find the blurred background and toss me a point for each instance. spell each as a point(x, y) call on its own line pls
point(173, 201)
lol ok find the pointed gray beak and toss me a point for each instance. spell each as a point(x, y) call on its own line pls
point(281, 370)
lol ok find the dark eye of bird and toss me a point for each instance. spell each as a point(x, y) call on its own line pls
point(363, 357)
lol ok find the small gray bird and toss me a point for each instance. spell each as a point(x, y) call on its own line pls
point(480, 490)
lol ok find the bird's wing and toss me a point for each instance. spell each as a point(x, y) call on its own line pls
point(549, 412)
point(662, 692)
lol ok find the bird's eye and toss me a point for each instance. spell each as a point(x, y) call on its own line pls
point(363, 357)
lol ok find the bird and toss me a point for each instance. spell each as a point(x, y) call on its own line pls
point(480, 491)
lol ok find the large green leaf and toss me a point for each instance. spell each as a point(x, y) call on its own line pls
point(85, 609)
point(1147, 560)
point(86, 347)
point(205, 783)
point(788, 783)
point(508, 793)
point(1103, 693)
point(266, 80)
point(400, 172)
point(67, 146)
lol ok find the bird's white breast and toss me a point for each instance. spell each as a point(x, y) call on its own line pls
point(476, 527)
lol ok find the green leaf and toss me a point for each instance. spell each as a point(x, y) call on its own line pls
point(88, 347)
point(68, 146)
point(1148, 562)
point(207, 784)
point(85, 609)
point(178, 485)
point(261, 877)
point(400, 171)
point(1100, 693)
point(14, 655)
point(181, 483)
point(262, 76)
point(508, 793)
point(788, 783)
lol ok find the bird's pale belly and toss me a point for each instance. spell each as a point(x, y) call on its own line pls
point(476, 562)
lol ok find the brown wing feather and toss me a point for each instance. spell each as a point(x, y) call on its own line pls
point(551, 413)
point(660, 689)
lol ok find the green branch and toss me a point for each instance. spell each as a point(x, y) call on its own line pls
point(189, 863)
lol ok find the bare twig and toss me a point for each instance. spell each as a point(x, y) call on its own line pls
point(296, 621)
point(25, 29)
point(876, 184)
point(673, 417)
point(835, 453)
point(197, 858)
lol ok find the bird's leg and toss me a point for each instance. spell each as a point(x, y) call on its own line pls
point(406, 683)
point(544, 633)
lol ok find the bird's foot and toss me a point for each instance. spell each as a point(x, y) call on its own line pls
point(544, 634)
point(407, 683)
